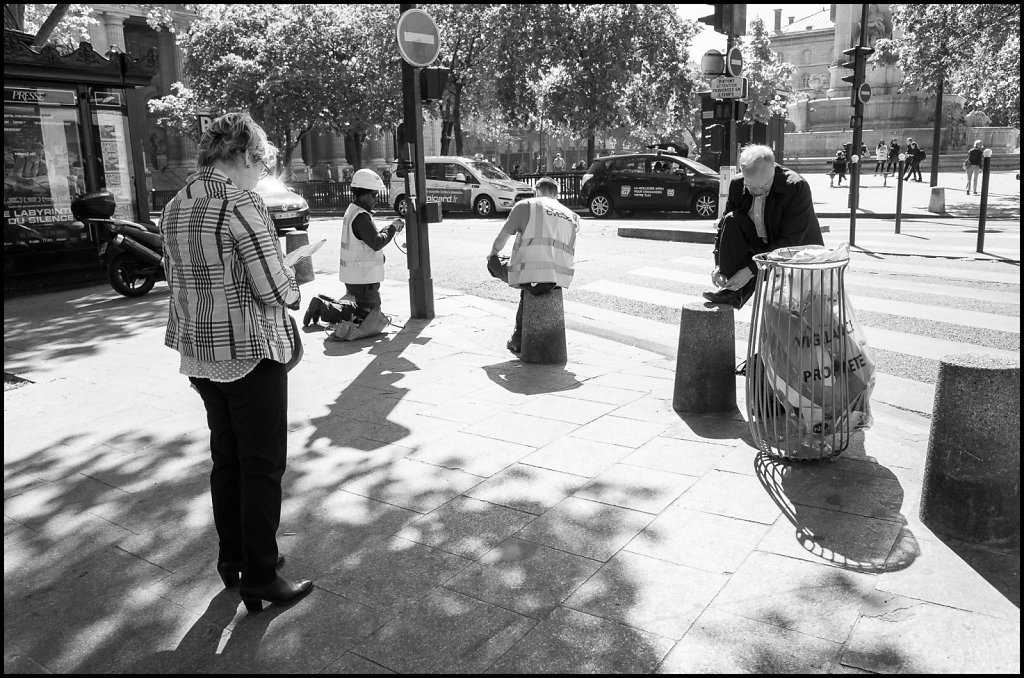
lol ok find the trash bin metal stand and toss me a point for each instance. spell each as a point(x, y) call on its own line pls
point(797, 381)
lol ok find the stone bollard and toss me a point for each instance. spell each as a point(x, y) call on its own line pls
point(971, 487)
point(544, 329)
point(706, 360)
point(304, 267)
point(937, 201)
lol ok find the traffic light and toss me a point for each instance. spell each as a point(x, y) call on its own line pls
point(728, 19)
point(858, 66)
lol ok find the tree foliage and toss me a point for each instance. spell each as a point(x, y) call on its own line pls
point(766, 73)
point(965, 45)
point(293, 67)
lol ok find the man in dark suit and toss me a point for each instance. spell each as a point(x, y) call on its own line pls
point(769, 207)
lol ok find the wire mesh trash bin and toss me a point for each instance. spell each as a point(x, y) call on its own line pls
point(809, 370)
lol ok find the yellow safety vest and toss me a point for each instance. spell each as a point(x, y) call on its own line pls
point(359, 264)
point(543, 252)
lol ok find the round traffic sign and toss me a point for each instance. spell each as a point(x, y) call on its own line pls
point(419, 41)
point(734, 62)
point(712, 63)
point(864, 93)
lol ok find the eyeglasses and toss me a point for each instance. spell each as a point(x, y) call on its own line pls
point(265, 170)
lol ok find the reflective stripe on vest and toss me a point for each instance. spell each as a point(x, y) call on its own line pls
point(544, 251)
point(359, 263)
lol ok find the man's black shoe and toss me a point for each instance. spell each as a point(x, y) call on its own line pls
point(313, 311)
point(725, 297)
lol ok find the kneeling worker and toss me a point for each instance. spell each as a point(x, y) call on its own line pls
point(362, 261)
point(542, 255)
point(769, 207)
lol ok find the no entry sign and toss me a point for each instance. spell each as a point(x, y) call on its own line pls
point(419, 41)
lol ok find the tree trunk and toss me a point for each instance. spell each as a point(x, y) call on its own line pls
point(937, 131)
point(457, 119)
point(354, 148)
point(447, 124)
point(590, 148)
point(46, 30)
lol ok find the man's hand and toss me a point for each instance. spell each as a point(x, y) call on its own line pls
point(741, 278)
point(399, 224)
point(717, 279)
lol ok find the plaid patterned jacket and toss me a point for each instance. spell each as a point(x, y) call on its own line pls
point(229, 284)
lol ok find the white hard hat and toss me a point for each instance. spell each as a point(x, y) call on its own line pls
point(368, 179)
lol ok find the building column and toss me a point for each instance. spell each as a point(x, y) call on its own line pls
point(113, 26)
point(169, 64)
point(844, 39)
point(334, 153)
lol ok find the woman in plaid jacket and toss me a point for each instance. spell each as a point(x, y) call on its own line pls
point(228, 320)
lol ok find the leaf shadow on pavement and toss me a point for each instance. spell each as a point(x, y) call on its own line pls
point(847, 515)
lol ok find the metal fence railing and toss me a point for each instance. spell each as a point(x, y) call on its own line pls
point(568, 185)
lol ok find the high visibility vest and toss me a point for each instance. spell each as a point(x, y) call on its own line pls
point(543, 252)
point(359, 263)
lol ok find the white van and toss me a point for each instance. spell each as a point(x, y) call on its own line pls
point(462, 184)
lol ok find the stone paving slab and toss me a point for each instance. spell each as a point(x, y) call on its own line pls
point(460, 511)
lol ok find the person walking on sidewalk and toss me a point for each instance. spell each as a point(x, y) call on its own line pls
point(915, 155)
point(838, 168)
point(881, 152)
point(768, 207)
point(973, 165)
point(542, 255)
point(894, 158)
point(228, 320)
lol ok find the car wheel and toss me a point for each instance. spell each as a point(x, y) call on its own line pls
point(125, 277)
point(600, 206)
point(483, 206)
point(401, 206)
point(705, 205)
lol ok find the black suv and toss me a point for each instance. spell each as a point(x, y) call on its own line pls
point(649, 182)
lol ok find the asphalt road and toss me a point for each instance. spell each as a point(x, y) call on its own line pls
point(459, 246)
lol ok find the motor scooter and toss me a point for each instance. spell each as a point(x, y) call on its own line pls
point(130, 252)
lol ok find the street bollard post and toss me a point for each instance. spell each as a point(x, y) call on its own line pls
point(705, 360)
point(985, 163)
point(899, 190)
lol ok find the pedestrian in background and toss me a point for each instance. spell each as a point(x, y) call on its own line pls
point(894, 157)
point(228, 320)
point(768, 207)
point(838, 168)
point(559, 163)
point(916, 155)
point(516, 172)
point(542, 255)
point(881, 153)
point(973, 165)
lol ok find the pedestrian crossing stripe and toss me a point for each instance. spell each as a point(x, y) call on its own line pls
point(855, 280)
point(906, 309)
point(878, 338)
point(892, 266)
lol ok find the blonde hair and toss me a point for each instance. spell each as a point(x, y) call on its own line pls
point(233, 137)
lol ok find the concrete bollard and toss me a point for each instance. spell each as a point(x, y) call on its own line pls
point(971, 487)
point(705, 360)
point(937, 201)
point(304, 268)
point(544, 329)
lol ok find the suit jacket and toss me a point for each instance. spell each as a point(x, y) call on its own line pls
point(789, 218)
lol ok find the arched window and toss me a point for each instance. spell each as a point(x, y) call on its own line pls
point(805, 81)
point(807, 56)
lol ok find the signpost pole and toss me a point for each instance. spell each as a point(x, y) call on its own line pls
point(858, 114)
point(421, 285)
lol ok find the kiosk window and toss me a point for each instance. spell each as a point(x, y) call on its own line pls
point(43, 170)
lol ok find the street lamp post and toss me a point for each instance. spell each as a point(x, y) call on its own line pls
point(985, 163)
point(899, 190)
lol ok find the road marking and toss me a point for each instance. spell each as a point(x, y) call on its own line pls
point(889, 388)
point(881, 339)
point(854, 280)
point(859, 265)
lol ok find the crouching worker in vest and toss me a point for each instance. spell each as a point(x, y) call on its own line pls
point(542, 255)
point(361, 266)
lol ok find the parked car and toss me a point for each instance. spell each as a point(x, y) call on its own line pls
point(649, 182)
point(462, 184)
point(288, 209)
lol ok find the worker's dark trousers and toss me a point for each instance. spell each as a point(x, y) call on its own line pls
point(736, 244)
point(366, 296)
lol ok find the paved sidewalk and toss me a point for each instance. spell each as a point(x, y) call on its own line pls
point(460, 511)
